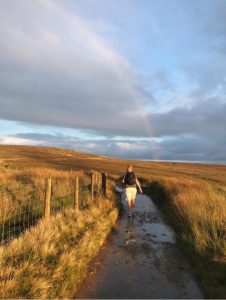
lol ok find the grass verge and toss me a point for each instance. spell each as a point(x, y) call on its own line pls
point(197, 211)
point(51, 259)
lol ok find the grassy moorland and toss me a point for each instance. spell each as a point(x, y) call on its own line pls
point(23, 157)
point(193, 197)
point(51, 259)
point(197, 210)
point(22, 193)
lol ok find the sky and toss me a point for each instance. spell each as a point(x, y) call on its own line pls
point(140, 79)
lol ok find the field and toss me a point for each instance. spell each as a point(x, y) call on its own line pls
point(23, 157)
point(193, 197)
point(51, 259)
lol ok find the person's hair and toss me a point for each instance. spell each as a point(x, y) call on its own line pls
point(128, 167)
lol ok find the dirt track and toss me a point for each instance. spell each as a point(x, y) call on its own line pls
point(141, 260)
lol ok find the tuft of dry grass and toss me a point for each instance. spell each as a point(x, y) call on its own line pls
point(197, 209)
point(51, 259)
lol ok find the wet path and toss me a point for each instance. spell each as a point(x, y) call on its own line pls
point(141, 260)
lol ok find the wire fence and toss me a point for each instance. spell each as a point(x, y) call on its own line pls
point(18, 214)
point(21, 206)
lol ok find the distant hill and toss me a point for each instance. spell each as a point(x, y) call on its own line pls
point(32, 156)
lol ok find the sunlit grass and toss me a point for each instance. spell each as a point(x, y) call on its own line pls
point(193, 197)
point(197, 209)
point(51, 259)
point(22, 194)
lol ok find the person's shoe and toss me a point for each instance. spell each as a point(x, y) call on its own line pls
point(133, 213)
point(129, 214)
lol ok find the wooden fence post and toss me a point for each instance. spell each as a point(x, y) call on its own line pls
point(92, 186)
point(76, 193)
point(100, 181)
point(96, 186)
point(47, 198)
point(104, 184)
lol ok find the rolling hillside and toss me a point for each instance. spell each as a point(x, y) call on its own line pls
point(28, 156)
point(192, 196)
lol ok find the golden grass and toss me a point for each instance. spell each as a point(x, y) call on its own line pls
point(25, 181)
point(51, 259)
point(24, 157)
point(22, 193)
point(193, 197)
point(197, 209)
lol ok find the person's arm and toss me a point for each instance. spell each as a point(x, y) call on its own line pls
point(123, 179)
point(138, 184)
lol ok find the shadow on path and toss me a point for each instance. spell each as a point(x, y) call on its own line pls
point(141, 260)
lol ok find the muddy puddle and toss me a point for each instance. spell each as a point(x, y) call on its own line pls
point(141, 260)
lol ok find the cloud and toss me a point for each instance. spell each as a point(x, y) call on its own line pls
point(58, 71)
point(204, 119)
point(176, 148)
point(216, 20)
point(207, 64)
point(13, 140)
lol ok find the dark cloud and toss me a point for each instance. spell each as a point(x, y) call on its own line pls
point(177, 148)
point(205, 119)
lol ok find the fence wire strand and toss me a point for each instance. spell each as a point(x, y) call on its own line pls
point(22, 206)
point(18, 213)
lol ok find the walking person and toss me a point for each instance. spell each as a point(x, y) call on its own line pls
point(131, 182)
